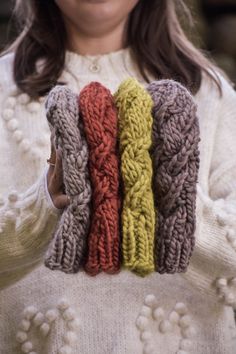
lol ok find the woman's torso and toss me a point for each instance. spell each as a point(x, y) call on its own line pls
point(107, 306)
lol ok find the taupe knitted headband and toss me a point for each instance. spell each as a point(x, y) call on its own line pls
point(68, 247)
point(175, 166)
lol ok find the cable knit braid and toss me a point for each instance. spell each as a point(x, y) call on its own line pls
point(101, 126)
point(68, 246)
point(138, 214)
point(175, 163)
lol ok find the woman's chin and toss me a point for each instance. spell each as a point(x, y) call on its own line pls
point(95, 12)
point(95, 1)
point(95, 16)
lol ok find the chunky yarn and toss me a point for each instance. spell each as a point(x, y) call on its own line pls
point(138, 214)
point(175, 163)
point(68, 247)
point(101, 126)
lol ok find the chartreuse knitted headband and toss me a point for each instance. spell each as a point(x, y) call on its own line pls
point(142, 159)
point(138, 216)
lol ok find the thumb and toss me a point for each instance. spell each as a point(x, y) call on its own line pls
point(61, 201)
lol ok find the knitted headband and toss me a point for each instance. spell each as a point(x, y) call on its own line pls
point(100, 122)
point(158, 135)
point(138, 215)
point(67, 248)
point(175, 155)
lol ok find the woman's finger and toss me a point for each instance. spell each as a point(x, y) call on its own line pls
point(52, 138)
point(56, 173)
point(61, 201)
point(52, 158)
point(55, 177)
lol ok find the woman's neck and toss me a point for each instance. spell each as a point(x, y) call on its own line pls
point(92, 43)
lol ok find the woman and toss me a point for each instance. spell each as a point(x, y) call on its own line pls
point(77, 42)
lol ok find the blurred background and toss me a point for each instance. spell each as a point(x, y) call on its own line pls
point(215, 23)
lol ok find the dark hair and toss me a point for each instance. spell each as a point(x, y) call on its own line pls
point(154, 34)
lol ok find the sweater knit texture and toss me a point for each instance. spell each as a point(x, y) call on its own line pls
point(52, 312)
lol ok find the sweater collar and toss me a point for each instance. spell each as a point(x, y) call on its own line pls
point(118, 62)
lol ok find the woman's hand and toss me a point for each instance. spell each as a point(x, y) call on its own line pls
point(55, 178)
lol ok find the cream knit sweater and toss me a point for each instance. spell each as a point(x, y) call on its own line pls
point(49, 312)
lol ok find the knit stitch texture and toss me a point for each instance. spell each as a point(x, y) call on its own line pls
point(68, 246)
point(100, 121)
point(138, 215)
point(175, 163)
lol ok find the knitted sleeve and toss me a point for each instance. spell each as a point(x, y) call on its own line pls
point(27, 221)
point(213, 264)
